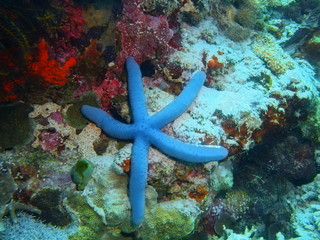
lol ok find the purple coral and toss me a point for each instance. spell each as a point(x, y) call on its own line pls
point(50, 140)
point(212, 216)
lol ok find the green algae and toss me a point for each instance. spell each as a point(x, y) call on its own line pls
point(81, 173)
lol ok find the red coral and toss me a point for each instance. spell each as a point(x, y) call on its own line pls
point(143, 36)
point(9, 89)
point(51, 72)
point(11, 82)
point(214, 63)
point(199, 193)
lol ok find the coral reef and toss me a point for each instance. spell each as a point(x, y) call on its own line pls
point(260, 99)
point(310, 127)
point(248, 234)
point(8, 187)
point(305, 218)
point(72, 115)
point(72, 23)
point(109, 90)
point(145, 131)
point(312, 45)
point(11, 208)
point(29, 228)
point(222, 177)
point(50, 201)
point(89, 223)
point(280, 3)
point(225, 211)
point(38, 49)
point(160, 6)
point(112, 208)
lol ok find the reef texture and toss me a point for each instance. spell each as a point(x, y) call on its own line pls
point(260, 100)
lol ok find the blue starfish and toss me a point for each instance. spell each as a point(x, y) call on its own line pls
point(146, 130)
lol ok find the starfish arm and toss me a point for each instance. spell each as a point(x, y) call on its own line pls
point(185, 151)
point(108, 124)
point(178, 106)
point(138, 178)
point(136, 91)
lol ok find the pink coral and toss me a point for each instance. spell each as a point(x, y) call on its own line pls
point(50, 140)
point(140, 35)
point(73, 22)
point(143, 36)
point(110, 88)
point(57, 116)
point(61, 50)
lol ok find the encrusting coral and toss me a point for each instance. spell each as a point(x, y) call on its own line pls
point(170, 220)
point(266, 47)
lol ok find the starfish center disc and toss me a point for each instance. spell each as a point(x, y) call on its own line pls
point(142, 128)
